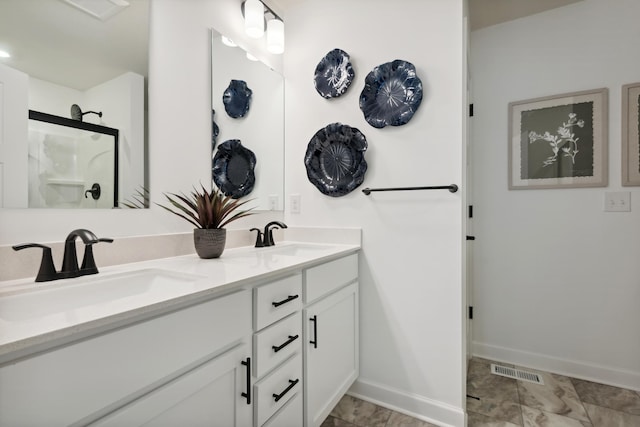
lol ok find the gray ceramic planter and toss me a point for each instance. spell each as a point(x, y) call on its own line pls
point(209, 243)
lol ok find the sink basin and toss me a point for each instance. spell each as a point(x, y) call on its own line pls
point(280, 250)
point(90, 295)
point(296, 249)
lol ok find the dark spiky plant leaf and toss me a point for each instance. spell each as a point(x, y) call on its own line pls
point(139, 200)
point(204, 209)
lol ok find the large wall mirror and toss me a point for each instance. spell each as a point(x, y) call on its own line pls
point(248, 126)
point(80, 61)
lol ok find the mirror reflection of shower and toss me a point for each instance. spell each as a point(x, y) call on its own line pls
point(76, 112)
point(72, 164)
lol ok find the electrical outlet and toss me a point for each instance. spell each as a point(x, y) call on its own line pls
point(294, 203)
point(273, 202)
point(617, 201)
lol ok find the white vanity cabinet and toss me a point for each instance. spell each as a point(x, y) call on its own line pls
point(278, 351)
point(148, 373)
point(331, 331)
point(213, 394)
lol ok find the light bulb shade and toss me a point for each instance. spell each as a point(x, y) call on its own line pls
point(254, 18)
point(275, 36)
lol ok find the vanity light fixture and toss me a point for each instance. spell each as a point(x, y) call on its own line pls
point(254, 18)
point(275, 36)
point(255, 14)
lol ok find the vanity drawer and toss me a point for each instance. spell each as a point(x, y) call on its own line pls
point(282, 384)
point(76, 381)
point(328, 277)
point(289, 416)
point(277, 343)
point(277, 300)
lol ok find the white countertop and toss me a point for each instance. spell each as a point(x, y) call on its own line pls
point(58, 321)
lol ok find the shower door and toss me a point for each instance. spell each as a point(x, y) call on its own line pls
point(71, 164)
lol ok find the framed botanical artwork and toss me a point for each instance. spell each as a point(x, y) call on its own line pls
point(559, 141)
point(631, 134)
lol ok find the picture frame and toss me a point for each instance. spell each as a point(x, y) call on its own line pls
point(559, 141)
point(631, 134)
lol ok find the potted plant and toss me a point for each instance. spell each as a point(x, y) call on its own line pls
point(209, 212)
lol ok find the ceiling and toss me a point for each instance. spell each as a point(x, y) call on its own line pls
point(482, 13)
point(53, 41)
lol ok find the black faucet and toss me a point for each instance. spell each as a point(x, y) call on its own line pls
point(259, 238)
point(47, 271)
point(268, 232)
point(70, 258)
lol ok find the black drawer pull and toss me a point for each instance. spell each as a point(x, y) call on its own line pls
point(291, 339)
point(314, 341)
point(247, 395)
point(292, 384)
point(284, 301)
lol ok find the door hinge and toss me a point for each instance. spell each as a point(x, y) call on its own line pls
point(471, 237)
point(470, 211)
point(470, 110)
point(470, 312)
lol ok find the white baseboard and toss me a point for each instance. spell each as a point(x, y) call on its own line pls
point(429, 410)
point(576, 369)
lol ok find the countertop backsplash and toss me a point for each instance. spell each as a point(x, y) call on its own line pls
point(124, 250)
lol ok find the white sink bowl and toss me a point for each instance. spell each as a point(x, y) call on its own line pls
point(296, 249)
point(94, 294)
point(283, 250)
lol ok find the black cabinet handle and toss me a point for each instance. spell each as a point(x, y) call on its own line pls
point(314, 341)
point(284, 344)
point(247, 395)
point(284, 301)
point(292, 384)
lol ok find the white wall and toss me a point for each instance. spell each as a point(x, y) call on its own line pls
point(411, 280)
point(556, 278)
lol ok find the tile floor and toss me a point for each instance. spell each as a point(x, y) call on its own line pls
point(505, 402)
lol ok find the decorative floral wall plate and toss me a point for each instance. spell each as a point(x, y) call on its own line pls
point(237, 99)
point(215, 130)
point(233, 169)
point(335, 159)
point(333, 74)
point(392, 94)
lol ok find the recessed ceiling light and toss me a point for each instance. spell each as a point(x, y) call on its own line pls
point(4, 54)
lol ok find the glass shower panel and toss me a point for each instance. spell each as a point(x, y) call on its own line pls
point(66, 163)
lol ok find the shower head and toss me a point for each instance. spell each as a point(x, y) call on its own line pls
point(76, 112)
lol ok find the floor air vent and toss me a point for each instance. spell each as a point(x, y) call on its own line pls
point(516, 374)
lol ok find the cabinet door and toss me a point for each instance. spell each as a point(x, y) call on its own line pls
point(210, 395)
point(331, 352)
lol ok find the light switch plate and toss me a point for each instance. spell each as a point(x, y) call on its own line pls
point(617, 201)
point(294, 204)
point(273, 202)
